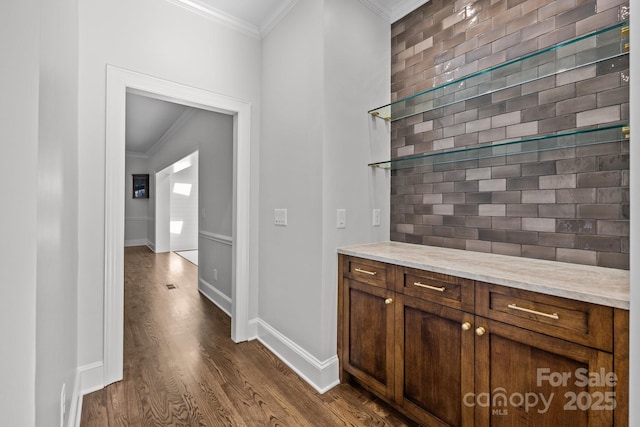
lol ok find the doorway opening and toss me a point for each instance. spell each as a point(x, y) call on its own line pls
point(176, 207)
point(119, 83)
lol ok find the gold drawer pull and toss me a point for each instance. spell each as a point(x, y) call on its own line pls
point(433, 288)
point(370, 273)
point(539, 313)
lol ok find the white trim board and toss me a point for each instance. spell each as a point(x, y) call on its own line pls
point(119, 83)
point(75, 408)
point(394, 11)
point(205, 10)
point(222, 301)
point(321, 375)
point(135, 242)
point(89, 378)
point(136, 218)
point(226, 240)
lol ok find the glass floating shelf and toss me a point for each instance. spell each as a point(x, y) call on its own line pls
point(578, 138)
point(598, 46)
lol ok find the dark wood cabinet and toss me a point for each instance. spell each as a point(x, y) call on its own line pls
point(368, 336)
point(448, 351)
point(434, 362)
point(533, 379)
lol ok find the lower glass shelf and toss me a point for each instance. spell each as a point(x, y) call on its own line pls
point(578, 138)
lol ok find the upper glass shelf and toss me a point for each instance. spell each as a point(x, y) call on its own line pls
point(591, 48)
point(556, 141)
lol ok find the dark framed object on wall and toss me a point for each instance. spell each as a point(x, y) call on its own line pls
point(140, 186)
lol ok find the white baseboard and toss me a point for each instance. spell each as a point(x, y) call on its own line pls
point(135, 242)
point(151, 246)
point(75, 409)
point(252, 329)
point(321, 375)
point(89, 378)
point(215, 296)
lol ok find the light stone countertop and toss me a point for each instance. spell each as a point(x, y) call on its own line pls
point(599, 285)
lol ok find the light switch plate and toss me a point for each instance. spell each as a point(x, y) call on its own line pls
point(376, 218)
point(280, 217)
point(341, 218)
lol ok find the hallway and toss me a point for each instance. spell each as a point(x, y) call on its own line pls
point(182, 369)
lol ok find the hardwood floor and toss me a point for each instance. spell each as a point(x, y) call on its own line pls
point(182, 369)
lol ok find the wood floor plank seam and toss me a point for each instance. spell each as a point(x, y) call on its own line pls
point(181, 367)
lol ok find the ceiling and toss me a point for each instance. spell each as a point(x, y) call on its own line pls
point(258, 17)
point(149, 120)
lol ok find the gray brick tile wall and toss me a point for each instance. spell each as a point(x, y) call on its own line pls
point(568, 205)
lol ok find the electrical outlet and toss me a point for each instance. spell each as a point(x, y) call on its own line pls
point(63, 399)
point(341, 218)
point(280, 217)
point(376, 217)
point(215, 274)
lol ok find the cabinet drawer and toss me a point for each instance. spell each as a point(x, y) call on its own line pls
point(441, 288)
point(575, 321)
point(367, 271)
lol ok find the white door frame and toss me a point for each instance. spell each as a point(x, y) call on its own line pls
point(119, 82)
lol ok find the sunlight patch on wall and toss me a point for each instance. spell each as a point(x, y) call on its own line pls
point(182, 164)
point(182, 188)
point(175, 227)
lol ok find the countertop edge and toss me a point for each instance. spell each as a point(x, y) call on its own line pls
point(605, 300)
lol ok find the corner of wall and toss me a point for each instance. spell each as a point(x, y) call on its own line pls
point(321, 375)
point(88, 379)
point(75, 410)
point(222, 301)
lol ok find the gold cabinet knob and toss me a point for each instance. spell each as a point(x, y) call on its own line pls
point(388, 301)
point(480, 331)
point(466, 326)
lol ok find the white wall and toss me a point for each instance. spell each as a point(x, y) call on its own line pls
point(38, 165)
point(357, 77)
point(57, 265)
point(324, 66)
point(19, 44)
point(184, 207)
point(291, 176)
point(135, 210)
point(158, 38)
point(163, 40)
point(211, 134)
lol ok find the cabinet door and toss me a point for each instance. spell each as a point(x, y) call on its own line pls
point(524, 378)
point(434, 362)
point(368, 336)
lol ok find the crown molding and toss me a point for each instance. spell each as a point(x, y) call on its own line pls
point(276, 17)
point(136, 154)
point(180, 121)
point(379, 8)
point(392, 13)
point(404, 7)
point(218, 16)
